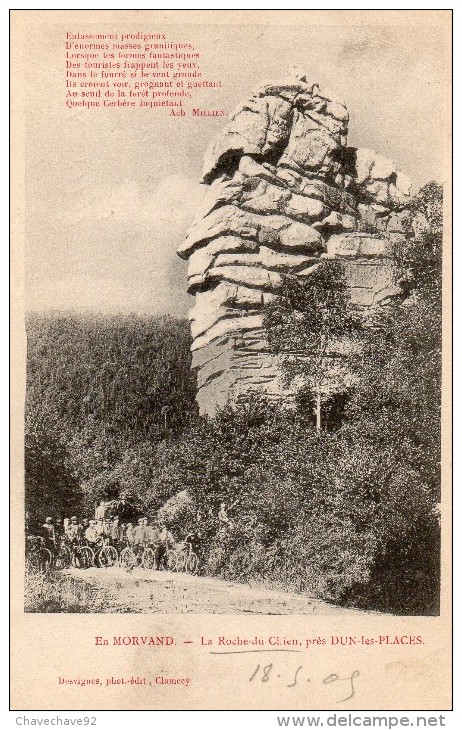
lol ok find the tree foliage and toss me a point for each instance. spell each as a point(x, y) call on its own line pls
point(312, 325)
point(104, 391)
point(50, 487)
point(348, 514)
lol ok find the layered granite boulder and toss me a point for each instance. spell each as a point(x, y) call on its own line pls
point(285, 191)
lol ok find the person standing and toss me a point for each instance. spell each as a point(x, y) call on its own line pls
point(140, 532)
point(73, 529)
point(223, 518)
point(99, 526)
point(166, 542)
point(130, 534)
point(49, 533)
point(100, 511)
point(91, 533)
point(116, 532)
point(59, 531)
point(83, 527)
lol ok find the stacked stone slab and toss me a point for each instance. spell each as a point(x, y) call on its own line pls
point(285, 191)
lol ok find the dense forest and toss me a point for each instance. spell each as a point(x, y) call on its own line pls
point(102, 394)
point(335, 496)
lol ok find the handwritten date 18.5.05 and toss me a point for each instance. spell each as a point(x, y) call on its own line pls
point(267, 672)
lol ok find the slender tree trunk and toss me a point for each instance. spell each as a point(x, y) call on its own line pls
point(318, 408)
point(319, 370)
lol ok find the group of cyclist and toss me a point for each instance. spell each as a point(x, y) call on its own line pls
point(109, 538)
point(105, 540)
point(104, 530)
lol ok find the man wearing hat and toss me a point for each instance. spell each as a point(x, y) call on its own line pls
point(83, 526)
point(72, 531)
point(116, 532)
point(141, 531)
point(166, 541)
point(130, 534)
point(59, 530)
point(91, 533)
point(49, 533)
point(100, 511)
point(99, 526)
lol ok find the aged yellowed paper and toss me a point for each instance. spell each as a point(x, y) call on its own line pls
point(239, 507)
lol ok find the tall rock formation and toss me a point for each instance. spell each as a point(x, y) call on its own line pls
point(285, 190)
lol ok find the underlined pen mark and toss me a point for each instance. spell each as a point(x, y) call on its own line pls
point(258, 651)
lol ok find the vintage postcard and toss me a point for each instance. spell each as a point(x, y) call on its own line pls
point(231, 319)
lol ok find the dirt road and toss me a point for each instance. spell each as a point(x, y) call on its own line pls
point(150, 591)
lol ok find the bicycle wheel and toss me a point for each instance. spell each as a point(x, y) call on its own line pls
point(44, 559)
point(170, 560)
point(148, 559)
point(63, 558)
point(107, 556)
point(128, 558)
point(180, 563)
point(75, 560)
point(34, 560)
point(192, 563)
point(85, 557)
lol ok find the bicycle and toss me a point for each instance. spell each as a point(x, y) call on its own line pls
point(129, 557)
point(63, 557)
point(107, 556)
point(192, 561)
point(148, 558)
point(186, 559)
point(81, 555)
point(170, 559)
point(38, 556)
point(164, 556)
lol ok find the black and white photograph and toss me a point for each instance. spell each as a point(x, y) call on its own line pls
point(236, 279)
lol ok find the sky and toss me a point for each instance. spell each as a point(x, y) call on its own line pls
point(110, 193)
